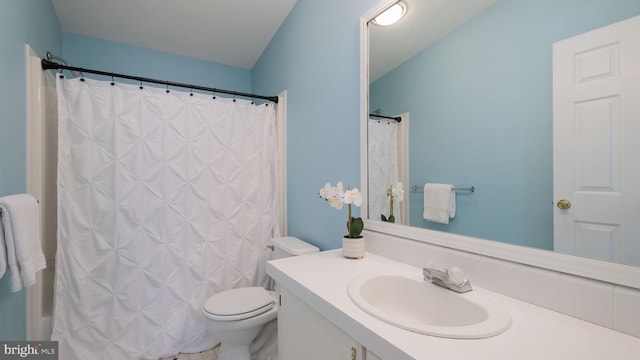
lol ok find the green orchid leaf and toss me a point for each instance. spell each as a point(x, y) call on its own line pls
point(357, 225)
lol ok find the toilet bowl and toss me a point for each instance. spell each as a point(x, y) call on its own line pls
point(237, 316)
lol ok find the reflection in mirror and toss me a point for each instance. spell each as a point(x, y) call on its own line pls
point(498, 93)
point(388, 167)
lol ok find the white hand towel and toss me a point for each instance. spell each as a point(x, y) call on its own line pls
point(439, 202)
point(20, 238)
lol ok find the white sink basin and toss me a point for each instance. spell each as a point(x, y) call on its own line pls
point(408, 302)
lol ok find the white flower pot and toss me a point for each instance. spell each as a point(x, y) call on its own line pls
point(353, 248)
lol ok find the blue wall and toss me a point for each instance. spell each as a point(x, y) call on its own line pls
point(480, 108)
point(315, 57)
point(33, 22)
point(115, 57)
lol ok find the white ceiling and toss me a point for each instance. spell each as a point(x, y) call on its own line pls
point(230, 32)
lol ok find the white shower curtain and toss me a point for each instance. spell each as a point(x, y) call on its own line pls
point(382, 167)
point(163, 200)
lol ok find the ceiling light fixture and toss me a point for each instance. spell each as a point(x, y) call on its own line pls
point(391, 15)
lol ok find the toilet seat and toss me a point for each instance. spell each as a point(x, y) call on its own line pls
point(238, 304)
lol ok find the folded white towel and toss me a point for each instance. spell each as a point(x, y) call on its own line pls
point(20, 240)
point(439, 202)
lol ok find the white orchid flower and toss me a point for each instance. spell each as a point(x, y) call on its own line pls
point(396, 192)
point(332, 194)
point(353, 196)
point(324, 192)
point(335, 202)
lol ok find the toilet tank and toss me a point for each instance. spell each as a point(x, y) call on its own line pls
point(290, 246)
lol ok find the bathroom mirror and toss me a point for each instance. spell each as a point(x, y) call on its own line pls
point(475, 81)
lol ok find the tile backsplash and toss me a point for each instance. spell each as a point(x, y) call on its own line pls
point(602, 303)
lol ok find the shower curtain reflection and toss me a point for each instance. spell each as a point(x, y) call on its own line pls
point(163, 200)
point(383, 168)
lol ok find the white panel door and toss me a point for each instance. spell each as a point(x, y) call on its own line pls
point(596, 143)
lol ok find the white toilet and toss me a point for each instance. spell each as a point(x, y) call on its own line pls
point(236, 316)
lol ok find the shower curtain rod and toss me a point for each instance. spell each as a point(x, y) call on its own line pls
point(396, 118)
point(48, 65)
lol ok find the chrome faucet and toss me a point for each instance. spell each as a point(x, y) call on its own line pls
point(448, 279)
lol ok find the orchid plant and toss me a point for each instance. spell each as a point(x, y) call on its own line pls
point(395, 193)
point(337, 197)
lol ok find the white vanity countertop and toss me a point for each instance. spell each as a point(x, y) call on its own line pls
point(321, 280)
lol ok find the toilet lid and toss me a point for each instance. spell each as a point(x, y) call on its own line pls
point(241, 303)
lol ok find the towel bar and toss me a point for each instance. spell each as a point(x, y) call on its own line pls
point(468, 189)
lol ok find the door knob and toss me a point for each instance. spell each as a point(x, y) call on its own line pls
point(563, 204)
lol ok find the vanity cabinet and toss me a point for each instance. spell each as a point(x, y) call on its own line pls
point(305, 334)
point(319, 321)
